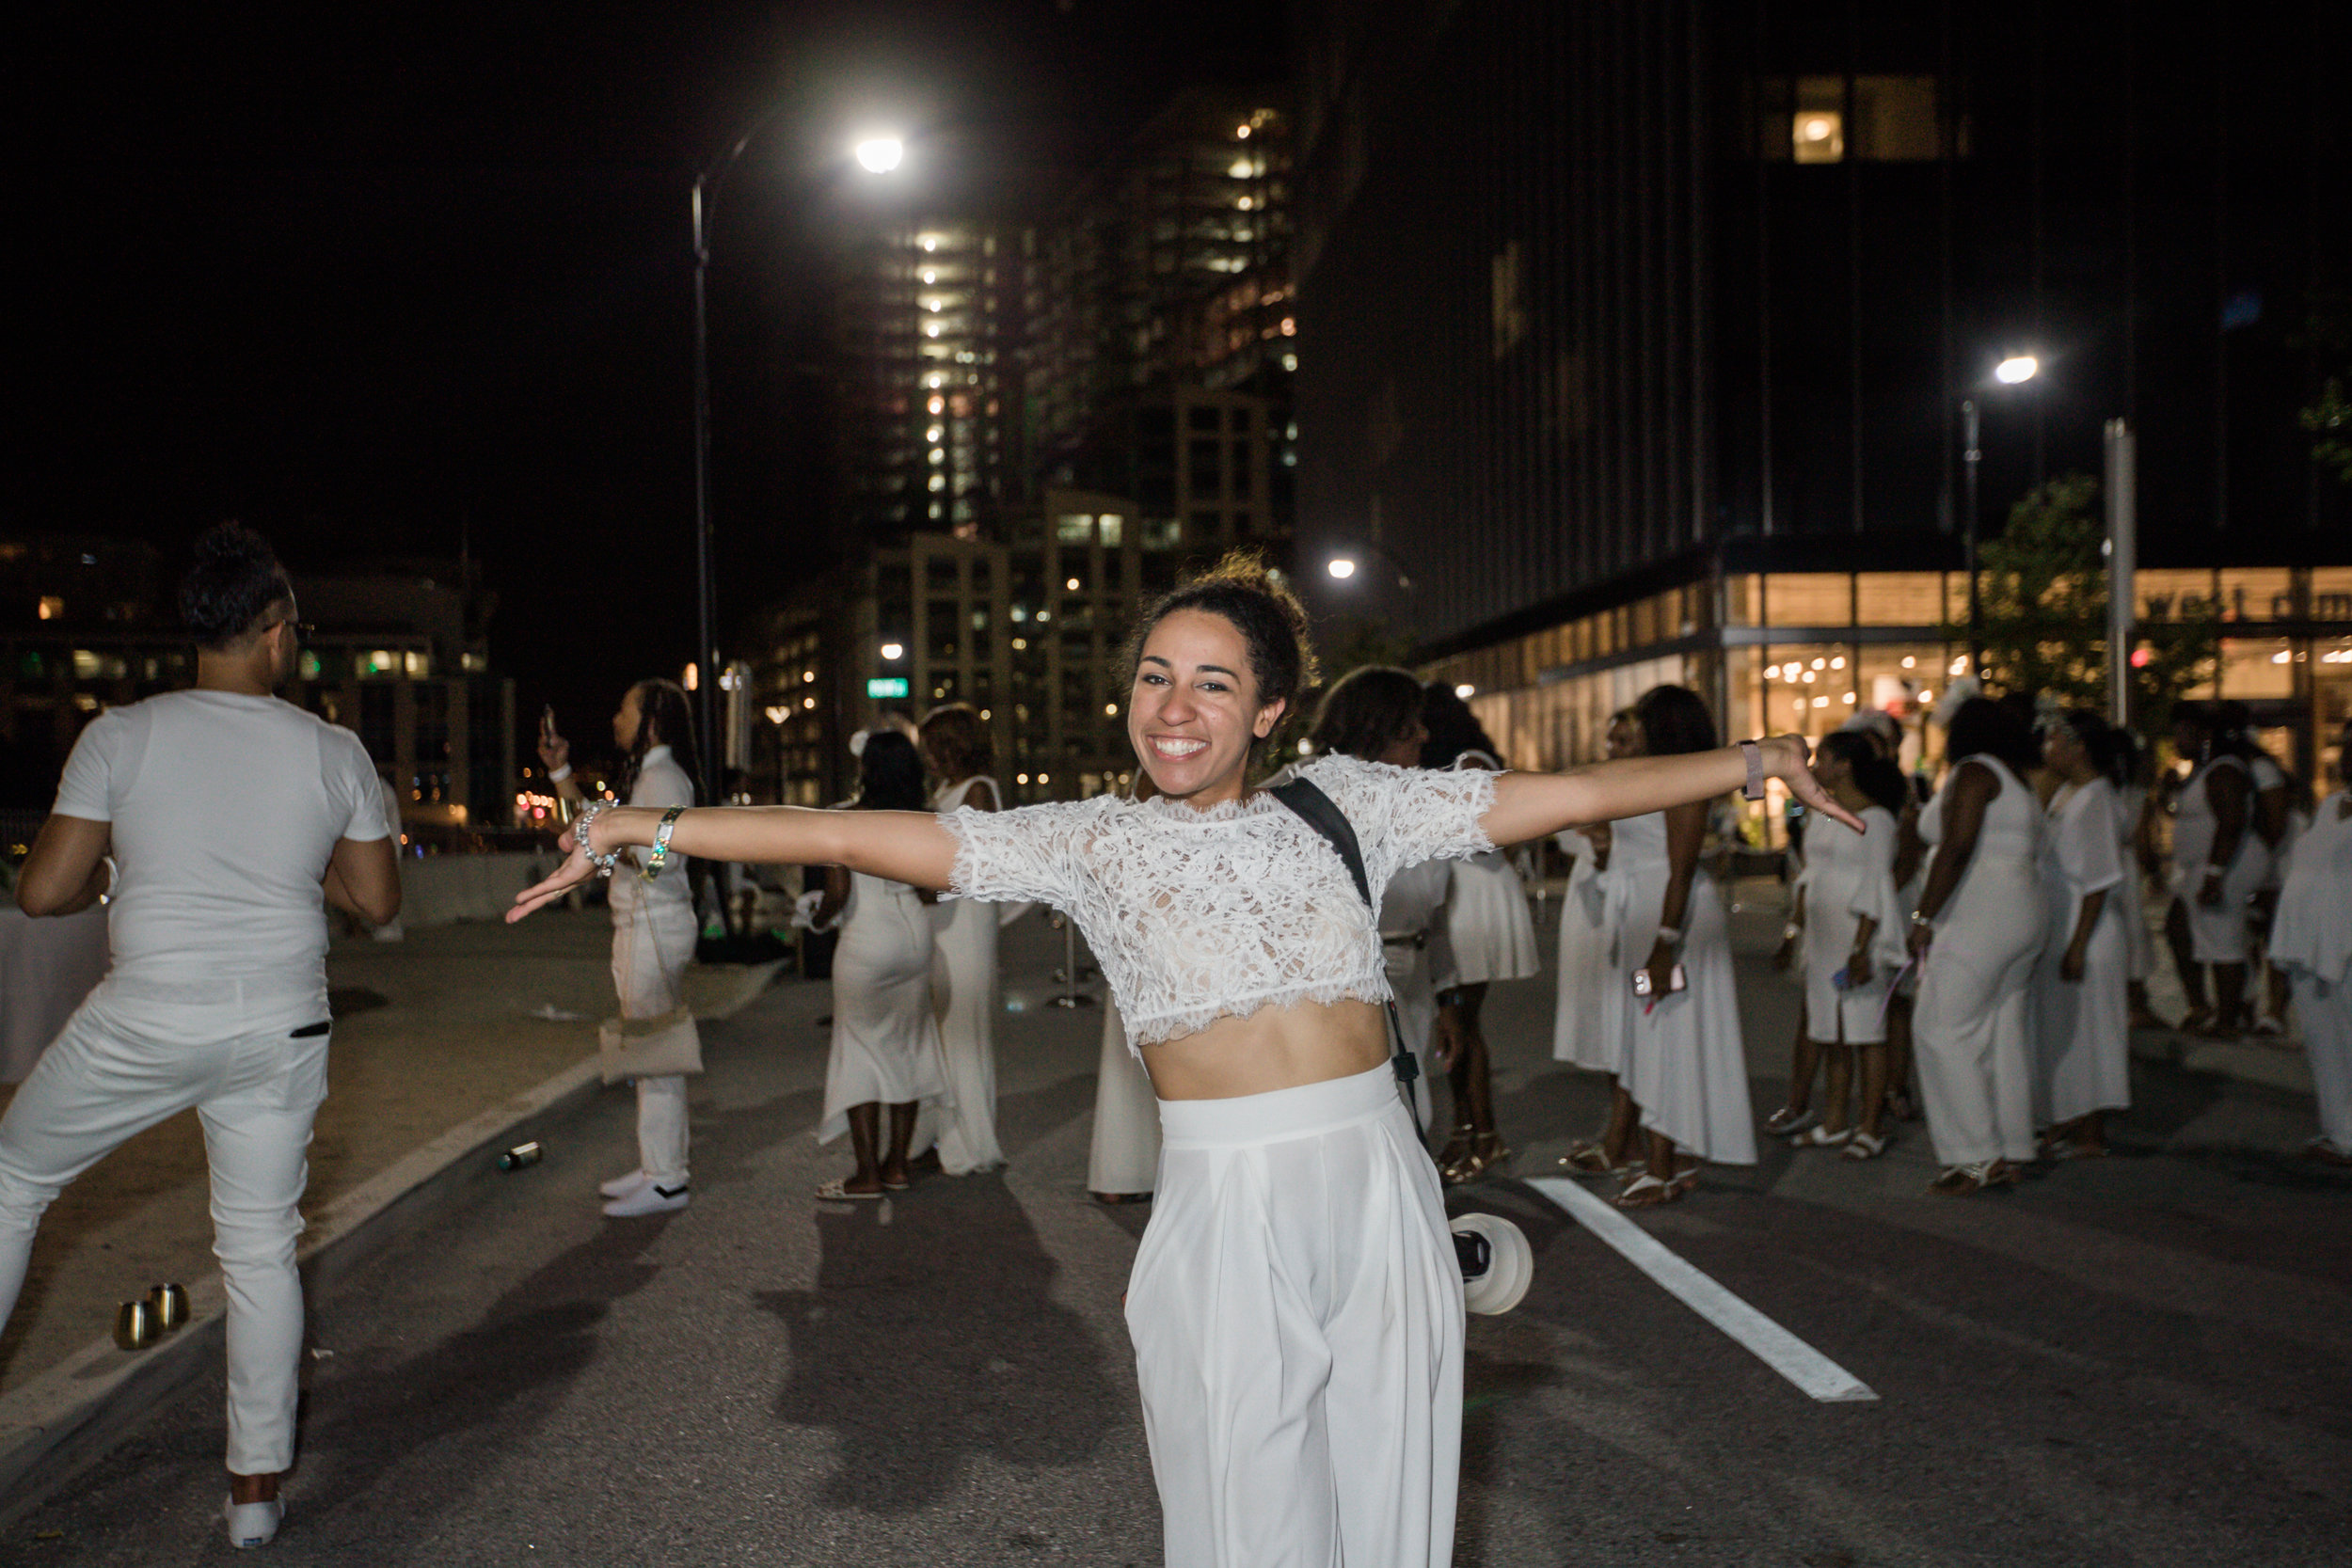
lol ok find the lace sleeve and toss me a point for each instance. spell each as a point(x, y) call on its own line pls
point(1028, 854)
point(1404, 815)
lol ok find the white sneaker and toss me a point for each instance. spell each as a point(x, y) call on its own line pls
point(621, 1186)
point(649, 1199)
point(252, 1524)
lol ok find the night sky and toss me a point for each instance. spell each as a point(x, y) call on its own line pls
point(392, 279)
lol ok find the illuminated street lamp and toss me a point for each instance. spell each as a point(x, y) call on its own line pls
point(1349, 560)
point(1342, 566)
point(2014, 370)
point(880, 154)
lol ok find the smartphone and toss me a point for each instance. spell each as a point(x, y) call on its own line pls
point(547, 722)
point(1642, 987)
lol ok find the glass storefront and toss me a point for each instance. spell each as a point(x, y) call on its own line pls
point(1875, 640)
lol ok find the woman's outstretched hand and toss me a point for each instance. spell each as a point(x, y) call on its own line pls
point(575, 870)
point(1787, 758)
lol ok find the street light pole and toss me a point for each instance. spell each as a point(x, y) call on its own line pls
point(706, 586)
point(1968, 533)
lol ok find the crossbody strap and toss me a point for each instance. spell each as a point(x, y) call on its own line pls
point(1324, 816)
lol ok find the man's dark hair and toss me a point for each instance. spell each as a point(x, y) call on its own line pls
point(234, 581)
point(1368, 710)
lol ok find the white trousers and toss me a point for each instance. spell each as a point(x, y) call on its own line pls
point(132, 1056)
point(1296, 1312)
point(2325, 1012)
point(1972, 1036)
point(651, 949)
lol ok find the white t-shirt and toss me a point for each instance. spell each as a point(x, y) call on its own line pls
point(225, 811)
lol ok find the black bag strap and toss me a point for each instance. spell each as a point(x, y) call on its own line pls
point(1321, 813)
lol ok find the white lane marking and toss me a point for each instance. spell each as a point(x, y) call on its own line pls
point(1816, 1374)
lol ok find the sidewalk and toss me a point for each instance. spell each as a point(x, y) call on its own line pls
point(447, 1028)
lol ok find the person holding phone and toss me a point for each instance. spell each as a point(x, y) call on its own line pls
point(1684, 1078)
point(653, 926)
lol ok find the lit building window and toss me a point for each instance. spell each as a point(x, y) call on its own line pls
point(1820, 136)
point(52, 608)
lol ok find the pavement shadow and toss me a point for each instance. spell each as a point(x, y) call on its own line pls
point(930, 1340)
point(525, 1350)
point(1021, 1119)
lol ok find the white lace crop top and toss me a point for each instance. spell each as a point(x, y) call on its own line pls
point(1197, 915)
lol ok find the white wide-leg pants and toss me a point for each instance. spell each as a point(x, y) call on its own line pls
point(1296, 1312)
point(651, 949)
point(137, 1054)
point(1972, 1038)
point(2325, 1012)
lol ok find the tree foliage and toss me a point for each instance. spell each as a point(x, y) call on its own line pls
point(2329, 417)
point(2043, 586)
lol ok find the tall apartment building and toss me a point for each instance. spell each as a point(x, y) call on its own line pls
point(927, 385)
point(1637, 336)
point(1162, 284)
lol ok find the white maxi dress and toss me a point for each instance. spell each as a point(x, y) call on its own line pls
point(1415, 950)
point(885, 1039)
point(2082, 1028)
point(2216, 931)
point(1972, 1033)
point(1848, 878)
point(2310, 938)
point(1685, 1061)
point(1582, 1031)
point(965, 998)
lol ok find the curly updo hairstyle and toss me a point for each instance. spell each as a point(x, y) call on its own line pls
point(956, 738)
point(235, 580)
point(1250, 595)
point(1368, 710)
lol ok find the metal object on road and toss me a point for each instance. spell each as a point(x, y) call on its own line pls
point(169, 1305)
point(520, 1156)
point(134, 1326)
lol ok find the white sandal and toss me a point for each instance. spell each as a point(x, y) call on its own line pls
point(1821, 1137)
point(1864, 1147)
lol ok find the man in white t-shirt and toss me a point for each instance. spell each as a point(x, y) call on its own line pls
point(211, 820)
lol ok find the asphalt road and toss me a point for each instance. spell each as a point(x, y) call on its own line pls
point(2139, 1360)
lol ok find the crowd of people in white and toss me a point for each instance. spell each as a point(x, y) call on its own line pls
point(1989, 936)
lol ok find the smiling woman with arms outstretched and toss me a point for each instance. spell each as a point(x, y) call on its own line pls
point(1295, 1304)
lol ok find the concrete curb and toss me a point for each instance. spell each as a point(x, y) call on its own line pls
point(55, 1424)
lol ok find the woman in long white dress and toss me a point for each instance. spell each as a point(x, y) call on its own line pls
point(2082, 1005)
point(1296, 1304)
point(964, 990)
point(1489, 937)
point(1586, 979)
point(2312, 939)
point(885, 1039)
point(1976, 934)
point(1686, 1071)
point(1849, 942)
point(2218, 861)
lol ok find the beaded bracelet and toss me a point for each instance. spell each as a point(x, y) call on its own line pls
point(659, 856)
point(603, 863)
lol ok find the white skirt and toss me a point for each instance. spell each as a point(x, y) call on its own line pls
point(2082, 1028)
point(965, 999)
point(1588, 981)
point(1124, 1156)
point(1488, 923)
point(1296, 1312)
point(885, 1041)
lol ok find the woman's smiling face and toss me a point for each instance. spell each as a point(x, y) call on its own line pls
point(1194, 711)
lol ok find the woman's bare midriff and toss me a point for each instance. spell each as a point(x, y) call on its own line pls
point(1273, 1048)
